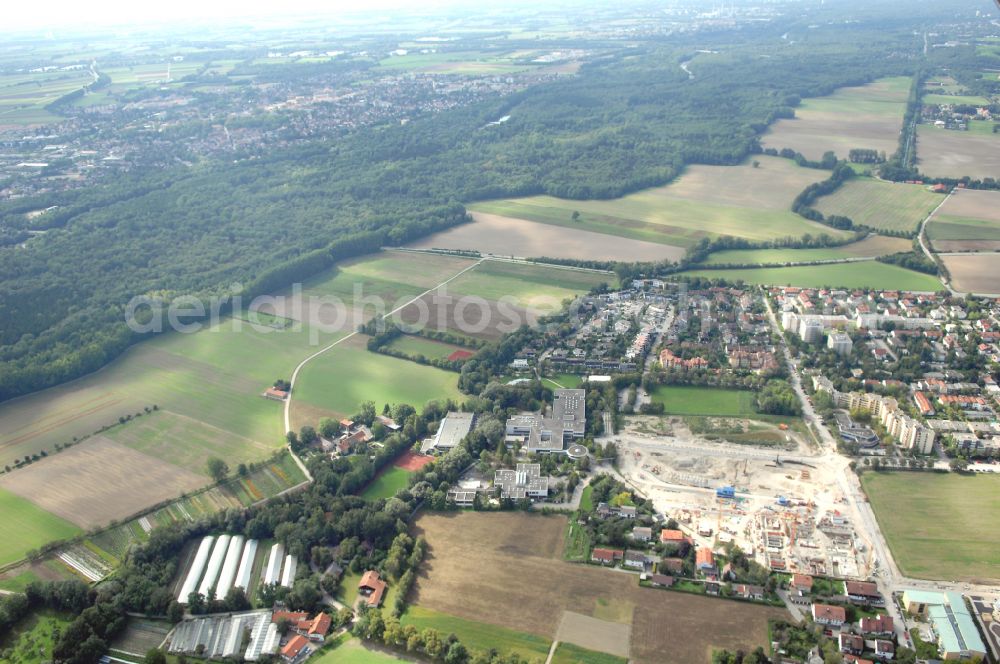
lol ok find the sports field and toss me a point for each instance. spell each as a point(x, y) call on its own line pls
point(881, 205)
point(948, 153)
point(502, 605)
point(705, 201)
point(387, 483)
point(939, 526)
point(27, 526)
point(338, 381)
point(862, 274)
point(684, 400)
point(868, 117)
point(870, 247)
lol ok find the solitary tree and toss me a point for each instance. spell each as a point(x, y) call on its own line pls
point(218, 469)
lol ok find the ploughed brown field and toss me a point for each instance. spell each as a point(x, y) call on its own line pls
point(974, 273)
point(977, 204)
point(949, 153)
point(506, 569)
point(98, 481)
point(507, 236)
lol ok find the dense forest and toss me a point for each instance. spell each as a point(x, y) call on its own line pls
point(629, 120)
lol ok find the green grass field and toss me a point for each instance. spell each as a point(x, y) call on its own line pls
point(346, 649)
point(28, 527)
point(348, 374)
point(939, 526)
point(478, 635)
point(684, 400)
point(881, 205)
point(429, 348)
point(870, 247)
point(705, 201)
point(567, 653)
point(862, 274)
point(971, 100)
point(387, 483)
point(530, 286)
point(947, 227)
point(31, 640)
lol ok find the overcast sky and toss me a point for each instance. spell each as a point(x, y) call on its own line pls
point(21, 15)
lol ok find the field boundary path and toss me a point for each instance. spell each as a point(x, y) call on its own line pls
point(922, 238)
point(291, 388)
point(502, 259)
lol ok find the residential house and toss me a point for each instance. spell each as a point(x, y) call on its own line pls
point(661, 580)
point(802, 583)
point(314, 629)
point(673, 565)
point(884, 649)
point(877, 626)
point(851, 643)
point(294, 647)
point(825, 614)
point(671, 536)
point(863, 592)
point(712, 588)
point(642, 533)
point(372, 587)
point(854, 659)
point(606, 556)
point(705, 560)
point(749, 592)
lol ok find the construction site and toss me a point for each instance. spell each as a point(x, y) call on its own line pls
point(777, 502)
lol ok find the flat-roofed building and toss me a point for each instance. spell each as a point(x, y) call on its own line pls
point(525, 481)
point(840, 343)
point(957, 635)
point(541, 434)
point(452, 429)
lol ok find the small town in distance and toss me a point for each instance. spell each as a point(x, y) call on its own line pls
point(581, 333)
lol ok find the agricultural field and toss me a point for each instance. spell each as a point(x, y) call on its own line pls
point(335, 383)
point(968, 221)
point(186, 442)
point(23, 96)
point(457, 62)
point(705, 201)
point(919, 517)
point(487, 590)
point(881, 205)
point(27, 526)
point(954, 99)
point(567, 653)
point(32, 639)
point(99, 481)
point(948, 153)
point(973, 273)
point(868, 117)
point(140, 636)
point(508, 236)
point(432, 349)
point(870, 247)
point(684, 400)
point(862, 274)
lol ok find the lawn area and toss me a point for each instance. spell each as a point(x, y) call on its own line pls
point(684, 400)
point(431, 349)
point(348, 374)
point(577, 541)
point(862, 274)
point(881, 205)
point(478, 635)
point(186, 442)
point(586, 500)
point(387, 483)
point(567, 653)
point(870, 247)
point(346, 649)
point(31, 640)
point(27, 527)
point(567, 381)
point(347, 592)
point(704, 201)
point(939, 526)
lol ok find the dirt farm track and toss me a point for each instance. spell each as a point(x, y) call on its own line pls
point(507, 569)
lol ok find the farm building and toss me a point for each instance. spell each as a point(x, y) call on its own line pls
point(275, 394)
point(314, 629)
point(229, 566)
point(214, 565)
point(246, 565)
point(222, 636)
point(288, 575)
point(272, 570)
point(197, 567)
